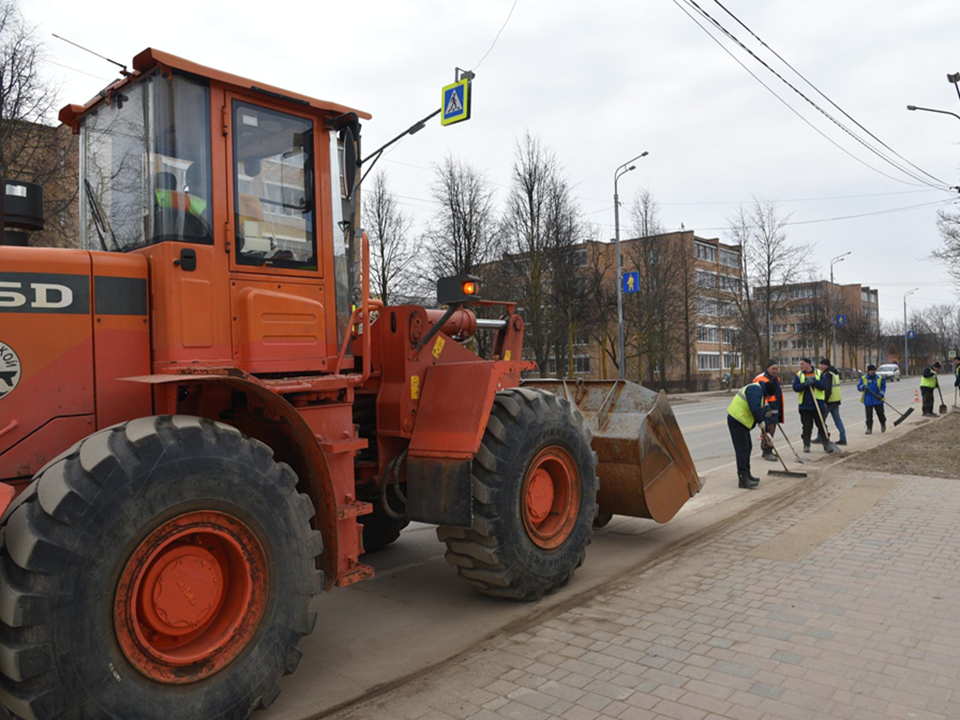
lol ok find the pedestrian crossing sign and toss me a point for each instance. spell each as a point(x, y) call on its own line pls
point(841, 320)
point(456, 102)
point(631, 282)
point(911, 334)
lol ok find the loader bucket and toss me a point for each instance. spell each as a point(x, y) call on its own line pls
point(643, 463)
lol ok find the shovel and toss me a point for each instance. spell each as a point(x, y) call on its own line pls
point(903, 416)
point(943, 405)
point(830, 443)
point(785, 472)
point(795, 454)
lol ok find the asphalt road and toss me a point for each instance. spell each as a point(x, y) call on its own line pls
point(416, 613)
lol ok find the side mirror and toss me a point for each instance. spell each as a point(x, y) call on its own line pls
point(349, 159)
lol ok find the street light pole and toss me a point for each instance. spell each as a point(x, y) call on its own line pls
point(906, 345)
point(833, 306)
point(618, 173)
point(933, 110)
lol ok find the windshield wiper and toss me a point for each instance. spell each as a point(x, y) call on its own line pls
point(98, 221)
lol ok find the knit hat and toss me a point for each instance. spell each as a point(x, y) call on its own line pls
point(825, 361)
point(806, 360)
point(769, 363)
point(936, 364)
point(871, 367)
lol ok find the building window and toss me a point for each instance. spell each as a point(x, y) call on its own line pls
point(580, 257)
point(731, 360)
point(706, 279)
point(581, 338)
point(730, 284)
point(808, 291)
point(708, 333)
point(731, 336)
point(706, 306)
point(779, 328)
point(708, 361)
point(702, 251)
point(729, 309)
point(799, 327)
point(729, 258)
point(581, 364)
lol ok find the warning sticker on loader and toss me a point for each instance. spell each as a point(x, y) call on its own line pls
point(9, 369)
point(415, 387)
point(438, 347)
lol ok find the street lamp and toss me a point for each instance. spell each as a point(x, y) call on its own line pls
point(833, 304)
point(906, 346)
point(618, 173)
point(933, 110)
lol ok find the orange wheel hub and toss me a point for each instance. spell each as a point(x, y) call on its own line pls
point(191, 596)
point(550, 497)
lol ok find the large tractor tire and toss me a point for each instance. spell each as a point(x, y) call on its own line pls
point(162, 568)
point(379, 529)
point(534, 499)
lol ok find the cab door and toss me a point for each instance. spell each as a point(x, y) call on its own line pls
point(282, 308)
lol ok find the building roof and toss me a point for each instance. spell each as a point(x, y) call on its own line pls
point(151, 58)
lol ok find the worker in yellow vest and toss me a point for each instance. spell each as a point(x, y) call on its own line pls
point(812, 392)
point(832, 377)
point(928, 383)
point(747, 410)
point(771, 376)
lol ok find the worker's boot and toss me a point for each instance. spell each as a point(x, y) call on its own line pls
point(883, 427)
point(806, 448)
point(870, 430)
point(747, 482)
point(826, 446)
point(769, 456)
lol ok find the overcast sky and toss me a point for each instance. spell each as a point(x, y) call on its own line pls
point(601, 82)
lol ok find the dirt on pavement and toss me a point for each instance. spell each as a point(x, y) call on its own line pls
point(932, 450)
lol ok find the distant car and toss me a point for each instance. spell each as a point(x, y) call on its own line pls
point(890, 372)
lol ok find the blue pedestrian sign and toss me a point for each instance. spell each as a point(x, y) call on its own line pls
point(911, 334)
point(841, 320)
point(631, 282)
point(456, 102)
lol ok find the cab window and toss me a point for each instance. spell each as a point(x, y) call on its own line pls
point(273, 188)
point(145, 160)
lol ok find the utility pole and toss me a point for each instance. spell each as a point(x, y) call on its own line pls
point(906, 346)
point(833, 308)
point(618, 173)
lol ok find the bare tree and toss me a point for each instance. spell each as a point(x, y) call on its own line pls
point(770, 264)
point(462, 234)
point(31, 149)
point(948, 223)
point(388, 228)
point(525, 232)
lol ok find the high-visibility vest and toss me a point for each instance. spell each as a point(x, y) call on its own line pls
point(866, 384)
point(762, 377)
point(817, 392)
point(175, 200)
point(930, 382)
point(835, 389)
point(739, 408)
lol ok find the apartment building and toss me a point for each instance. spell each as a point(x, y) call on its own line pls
point(714, 272)
point(803, 317)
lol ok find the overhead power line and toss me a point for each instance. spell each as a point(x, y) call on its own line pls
point(709, 18)
point(784, 102)
point(502, 27)
point(823, 95)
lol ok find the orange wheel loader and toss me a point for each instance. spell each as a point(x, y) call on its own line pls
point(199, 432)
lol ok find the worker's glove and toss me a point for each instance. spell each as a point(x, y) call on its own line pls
point(770, 416)
point(809, 381)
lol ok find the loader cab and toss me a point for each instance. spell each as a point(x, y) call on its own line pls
point(234, 191)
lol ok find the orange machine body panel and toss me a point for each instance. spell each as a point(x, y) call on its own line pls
point(76, 322)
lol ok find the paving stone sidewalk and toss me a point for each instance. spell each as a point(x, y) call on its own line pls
point(865, 625)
